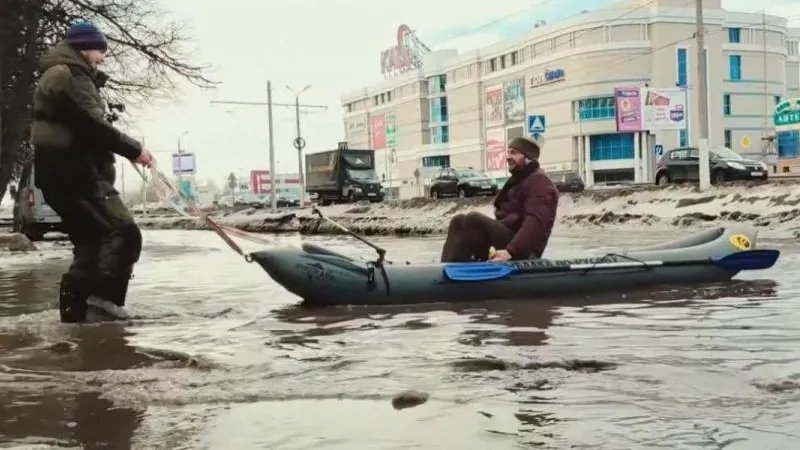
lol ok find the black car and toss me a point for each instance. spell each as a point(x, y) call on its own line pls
point(682, 164)
point(463, 183)
point(568, 182)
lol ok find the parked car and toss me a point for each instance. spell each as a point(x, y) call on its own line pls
point(682, 164)
point(461, 182)
point(32, 216)
point(567, 182)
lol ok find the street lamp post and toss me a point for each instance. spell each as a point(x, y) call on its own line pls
point(299, 142)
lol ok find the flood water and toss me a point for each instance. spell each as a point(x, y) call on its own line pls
point(220, 357)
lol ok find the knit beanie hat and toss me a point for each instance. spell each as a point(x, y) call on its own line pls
point(86, 36)
point(529, 146)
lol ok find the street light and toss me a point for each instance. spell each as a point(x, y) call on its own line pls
point(299, 143)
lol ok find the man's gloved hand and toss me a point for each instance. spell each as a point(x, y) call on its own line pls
point(146, 159)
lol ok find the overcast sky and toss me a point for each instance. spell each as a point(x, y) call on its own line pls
point(332, 45)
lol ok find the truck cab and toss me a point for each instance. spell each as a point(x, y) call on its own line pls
point(33, 217)
point(343, 175)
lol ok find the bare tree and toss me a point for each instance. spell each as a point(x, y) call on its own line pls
point(148, 53)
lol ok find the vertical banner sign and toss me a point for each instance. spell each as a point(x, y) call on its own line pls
point(514, 104)
point(495, 149)
point(391, 129)
point(378, 132)
point(493, 105)
point(628, 102)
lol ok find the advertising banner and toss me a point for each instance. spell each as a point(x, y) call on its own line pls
point(391, 130)
point(663, 109)
point(495, 149)
point(514, 103)
point(378, 132)
point(493, 105)
point(628, 102)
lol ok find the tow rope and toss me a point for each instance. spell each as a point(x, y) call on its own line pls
point(193, 211)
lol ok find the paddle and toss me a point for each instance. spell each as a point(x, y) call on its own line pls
point(485, 271)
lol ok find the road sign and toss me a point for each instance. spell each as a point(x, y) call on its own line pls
point(746, 142)
point(659, 149)
point(536, 124)
point(299, 143)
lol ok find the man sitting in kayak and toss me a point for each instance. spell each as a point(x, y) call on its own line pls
point(525, 211)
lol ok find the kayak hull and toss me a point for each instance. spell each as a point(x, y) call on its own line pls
point(323, 277)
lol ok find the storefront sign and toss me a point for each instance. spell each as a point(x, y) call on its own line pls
point(357, 126)
point(549, 76)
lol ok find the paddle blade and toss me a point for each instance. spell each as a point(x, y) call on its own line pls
point(478, 271)
point(748, 260)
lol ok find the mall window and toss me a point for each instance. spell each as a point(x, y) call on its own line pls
point(493, 65)
point(788, 144)
point(683, 138)
point(440, 135)
point(437, 84)
point(735, 67)
point(726, 104)
point(791, 48)
point(683, 67)
point(436, 161)
point(614, 175)
point(728, 138)
point(598, 108)
point(734, 35)
point(438, 109)
point(606, 147)
point(777, 100)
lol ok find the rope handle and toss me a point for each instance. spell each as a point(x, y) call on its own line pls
point(194, 211)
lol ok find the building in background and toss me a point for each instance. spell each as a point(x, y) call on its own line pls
point(259, 184)
point(608, 90)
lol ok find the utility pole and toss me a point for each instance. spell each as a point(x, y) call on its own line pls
point(299, 143)
point(269, 104)
point(273, 186)
point(702, 101)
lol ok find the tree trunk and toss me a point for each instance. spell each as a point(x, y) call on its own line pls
point(16, 124)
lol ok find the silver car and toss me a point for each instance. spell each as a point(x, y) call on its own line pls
point(32, 216)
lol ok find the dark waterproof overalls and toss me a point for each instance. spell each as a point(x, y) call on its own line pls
point(74, 149)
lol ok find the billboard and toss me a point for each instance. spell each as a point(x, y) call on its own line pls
point(493, 105)
point(378, 132)
point(495, 149)
point(390, 121)
point(628, 102)
point(663, 109)
point(261, 182)
point(514, 100)
point(183, 163)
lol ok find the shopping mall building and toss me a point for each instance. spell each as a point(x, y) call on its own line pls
point(609, 90)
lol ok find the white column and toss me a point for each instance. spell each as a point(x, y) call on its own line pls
point(588, 176)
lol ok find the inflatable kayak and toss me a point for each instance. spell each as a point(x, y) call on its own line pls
point(323, 277)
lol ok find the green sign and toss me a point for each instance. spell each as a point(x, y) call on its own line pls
point(391, 130)
point(787, 114)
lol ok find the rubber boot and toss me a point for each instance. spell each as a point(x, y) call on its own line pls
point(108, 301)
point(72, 295)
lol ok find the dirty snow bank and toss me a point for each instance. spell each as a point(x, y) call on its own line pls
point(772, 206)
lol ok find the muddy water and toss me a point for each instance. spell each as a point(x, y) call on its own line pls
point(219, 357)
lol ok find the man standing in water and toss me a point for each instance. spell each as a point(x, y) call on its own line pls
point(525, 211)
point(74, 148)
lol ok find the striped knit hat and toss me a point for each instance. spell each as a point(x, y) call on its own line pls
point(86, 36)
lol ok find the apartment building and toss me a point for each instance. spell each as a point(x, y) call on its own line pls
point(567, 81)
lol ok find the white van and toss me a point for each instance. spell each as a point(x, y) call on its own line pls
point(32, 216)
